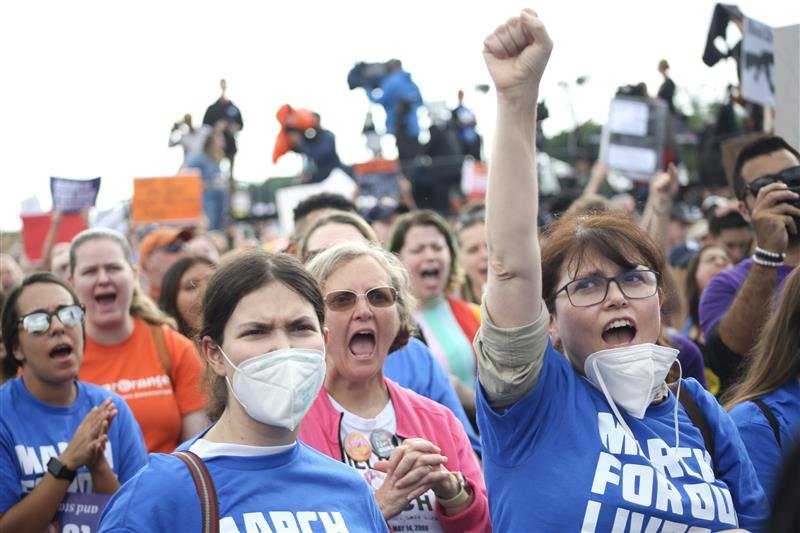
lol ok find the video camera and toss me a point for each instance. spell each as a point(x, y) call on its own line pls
point(367, 75)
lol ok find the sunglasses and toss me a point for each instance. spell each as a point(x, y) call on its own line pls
point(38, 322)
point(345, 299)
point(789, 176)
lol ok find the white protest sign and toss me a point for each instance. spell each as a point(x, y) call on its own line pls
point(628, 117)
point(70, 195)
point(757, 63)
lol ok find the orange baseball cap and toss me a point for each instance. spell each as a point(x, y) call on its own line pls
point(162, 237)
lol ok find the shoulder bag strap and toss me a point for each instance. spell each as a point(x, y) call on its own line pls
point(205, 490)
point(161, 348)
point(696, 415)
point(773, 421)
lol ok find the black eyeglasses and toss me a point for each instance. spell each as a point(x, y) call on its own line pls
point(345, 299)
point(591, 290)
point(790, 176)
point(38, 322)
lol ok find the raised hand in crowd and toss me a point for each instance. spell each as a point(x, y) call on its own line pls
point(88, 445)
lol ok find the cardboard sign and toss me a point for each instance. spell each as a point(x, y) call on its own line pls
point(35, 228)
point(787, 83)
point(79, 513)
point(757, 63)
point(170, 199)
point(634, 137)
point(71, 195)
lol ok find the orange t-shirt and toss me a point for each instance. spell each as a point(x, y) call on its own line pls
point(133, 370)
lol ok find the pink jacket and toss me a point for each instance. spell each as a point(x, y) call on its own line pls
point(416, 417)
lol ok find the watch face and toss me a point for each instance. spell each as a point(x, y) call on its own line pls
point(59, 471)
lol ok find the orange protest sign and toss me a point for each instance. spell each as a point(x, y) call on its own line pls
point(170, 199)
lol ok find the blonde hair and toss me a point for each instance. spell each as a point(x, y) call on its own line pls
point(322, 265)
point(142, 306)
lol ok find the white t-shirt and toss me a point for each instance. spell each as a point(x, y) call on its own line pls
point(366, 441)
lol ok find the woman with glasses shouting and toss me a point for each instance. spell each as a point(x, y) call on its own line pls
point(412, 452)
point(591, 440)
point(58, 435)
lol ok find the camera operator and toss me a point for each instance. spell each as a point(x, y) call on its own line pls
point(318, 145)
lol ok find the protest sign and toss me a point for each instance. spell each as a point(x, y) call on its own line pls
point(169, 199)
point(71, 195)
point(634, 136)
point(757, 63)
point(787, 83)
point(79, 513)
point(35, 228)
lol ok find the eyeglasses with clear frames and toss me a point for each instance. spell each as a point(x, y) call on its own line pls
point(592, 290)
point(345, 299)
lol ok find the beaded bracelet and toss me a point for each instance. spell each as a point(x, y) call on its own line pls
point(770, 256)
point(767, 263)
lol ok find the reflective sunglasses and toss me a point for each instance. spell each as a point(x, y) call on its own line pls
point(38, 322)
point(790, 176)
point(345, 299)
point(591, 290)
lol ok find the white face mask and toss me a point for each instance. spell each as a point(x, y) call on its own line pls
point(632, 376)
point(278, 388)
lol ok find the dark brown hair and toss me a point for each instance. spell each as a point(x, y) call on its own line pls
point(10, 319)
point(171, 286)
point(237, 277)
point(427, 217)
point(610, 234)
point(775, 359)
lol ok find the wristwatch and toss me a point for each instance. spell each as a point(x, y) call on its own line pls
point(59, 471)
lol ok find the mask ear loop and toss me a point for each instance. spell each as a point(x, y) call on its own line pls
point(613, 405)
point(675, 409)
point(230, 384)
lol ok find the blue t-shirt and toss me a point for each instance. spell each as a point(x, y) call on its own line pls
point(414, 367)
point(758, 437)
point(558, 460)
point(32, 432)
point(295, 490)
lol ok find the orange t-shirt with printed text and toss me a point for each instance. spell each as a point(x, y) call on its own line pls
point(133, 370)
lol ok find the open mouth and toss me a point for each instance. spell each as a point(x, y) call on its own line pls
point(619, 332)
point(362, 344)
point(106, 299)
point(60, 351)
point(430, 273)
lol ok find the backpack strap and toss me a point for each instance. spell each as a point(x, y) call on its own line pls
point(773, 421)
point(696, 415)
point(209, 506)
point(161, 348)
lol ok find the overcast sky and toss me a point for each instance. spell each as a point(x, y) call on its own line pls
point(92, 88)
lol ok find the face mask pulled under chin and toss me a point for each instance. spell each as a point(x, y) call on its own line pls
point(631, 376)
point(278, 388)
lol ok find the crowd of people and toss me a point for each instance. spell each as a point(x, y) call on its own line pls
point(604, 365)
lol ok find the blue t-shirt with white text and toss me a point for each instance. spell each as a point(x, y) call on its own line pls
point(558, 460)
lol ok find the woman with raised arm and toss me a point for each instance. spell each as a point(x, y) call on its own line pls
point(591, 440)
